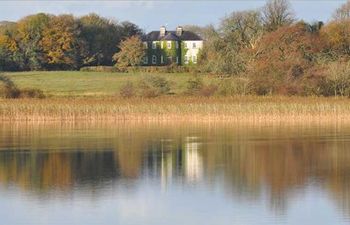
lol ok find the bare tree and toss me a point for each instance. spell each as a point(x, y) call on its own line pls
point(206, 32)
point(244, 27)
point(343, 12)
point(277, 13)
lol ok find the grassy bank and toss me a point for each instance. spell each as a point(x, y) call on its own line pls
point(76, 83)
point(253, 109)
point(92, 96)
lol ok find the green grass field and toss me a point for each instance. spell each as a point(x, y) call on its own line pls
point(98, 99)
point(75, 83)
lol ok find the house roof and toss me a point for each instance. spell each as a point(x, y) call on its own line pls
point(171, 36)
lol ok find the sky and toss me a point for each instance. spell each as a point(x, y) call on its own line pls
point(150, 15)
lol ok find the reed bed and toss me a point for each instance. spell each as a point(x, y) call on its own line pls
point(174, 108)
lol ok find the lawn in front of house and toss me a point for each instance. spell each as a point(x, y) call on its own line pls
point(76, 83)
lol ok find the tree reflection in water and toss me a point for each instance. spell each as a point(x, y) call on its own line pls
point(247, 161)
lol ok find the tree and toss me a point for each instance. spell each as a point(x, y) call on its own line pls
point(343, 12)
point(337, 81)
point(244, 27)
point(61, 43)
point(277, 13)
point(284, 60)
point(336, 34)
point(11, 56)
point(131, 53)
point(205, 32)
point(129, 29)
point(226, 51)
point(30, 33)
point(101, 37)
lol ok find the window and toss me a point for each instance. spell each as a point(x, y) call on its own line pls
point(154, 59)
point(154, 45)
point(177, 44)
point(186, 46)
point(194, 45)
point(145, 45)
point(161, 45)
point(169, 44)
point(161, 59)
point(186, 59)
point(145, 60)
point(194, 59)
point(177, 59)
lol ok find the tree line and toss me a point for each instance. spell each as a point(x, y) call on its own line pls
point(268, 49)
point(63, 42)
point(279, 54)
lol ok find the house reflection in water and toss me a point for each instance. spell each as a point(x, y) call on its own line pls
point(193, 160)
point(185, 161)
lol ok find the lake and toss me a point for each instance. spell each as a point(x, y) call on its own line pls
point(170, 173)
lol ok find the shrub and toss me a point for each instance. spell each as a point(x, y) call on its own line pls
point(208, 90)
point(194, 85)
point(153, 85)
point(233, 86)
point(127, 90)
point(9, 92)
point(173, 68)
point(109, 69)
point(337, 80)
point(31, 93)
point(8, 89)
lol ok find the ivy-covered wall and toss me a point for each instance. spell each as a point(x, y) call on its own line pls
point(166, 52)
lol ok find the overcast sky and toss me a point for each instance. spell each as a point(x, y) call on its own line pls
point(150, 15)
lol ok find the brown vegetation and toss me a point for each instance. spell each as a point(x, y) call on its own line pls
point(171, 108)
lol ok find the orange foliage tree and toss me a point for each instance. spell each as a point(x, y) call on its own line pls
point(336, 34)
point(284, 60)
point(61, 42)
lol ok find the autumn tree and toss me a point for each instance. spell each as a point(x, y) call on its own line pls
point(30, 33)
point(11, 56)
point(61, 43)
point(102, 37)
point(131, 53)
point(284, 61)
point(8, 47)
point(337, 36)
point(20, 43)
point(277, 13)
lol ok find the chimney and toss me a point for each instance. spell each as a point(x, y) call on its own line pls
point(179, 30)
point(162, 31)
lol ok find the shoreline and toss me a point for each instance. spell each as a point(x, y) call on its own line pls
point(181, 109)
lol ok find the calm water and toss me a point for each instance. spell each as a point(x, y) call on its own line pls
point(174, 174)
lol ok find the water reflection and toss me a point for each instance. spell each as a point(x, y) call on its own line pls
point(258, 164)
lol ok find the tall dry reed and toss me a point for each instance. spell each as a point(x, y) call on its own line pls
point(177, 109)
